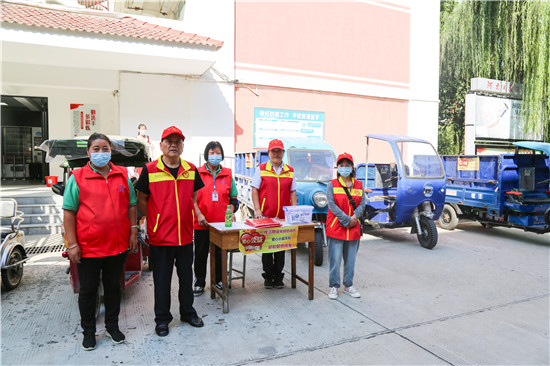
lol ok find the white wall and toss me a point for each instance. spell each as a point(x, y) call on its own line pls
point(62, 87)
point(424, 85)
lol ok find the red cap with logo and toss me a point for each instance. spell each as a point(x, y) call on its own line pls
point(275, 144)
point(172, 130)
point(344, 156)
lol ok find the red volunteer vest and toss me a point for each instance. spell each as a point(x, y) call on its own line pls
point(213, 211)
point(102, 223)
point(275, 190)
point(334, 229)
point(170, 211)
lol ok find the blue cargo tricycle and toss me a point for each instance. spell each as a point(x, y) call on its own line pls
point(405, 185)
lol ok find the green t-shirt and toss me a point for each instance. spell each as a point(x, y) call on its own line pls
point(71, 194)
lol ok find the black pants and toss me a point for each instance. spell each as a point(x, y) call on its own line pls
point(163, 258)
point(90, 270)
point(273, 264)
point(202, 248)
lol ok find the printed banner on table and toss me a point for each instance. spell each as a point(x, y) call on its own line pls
point(468, 164)
point(268, 240)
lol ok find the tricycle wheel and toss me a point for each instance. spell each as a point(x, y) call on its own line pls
point(448, 219)
point(319, 240)
point(11, 277)
point(428, 237)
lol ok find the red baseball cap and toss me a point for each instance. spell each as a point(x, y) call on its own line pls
point(172, 130)
point(345, 156)
point(276, 144)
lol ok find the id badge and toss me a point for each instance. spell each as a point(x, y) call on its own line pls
point(214, 196)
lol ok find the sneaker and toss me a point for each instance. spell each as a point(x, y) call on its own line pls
point(116, 335)
point(351, 291)
point(268, 283)
point(89, 342)
point(333, 294)
point(279, 283)
point(219, 285)
point(198, 290)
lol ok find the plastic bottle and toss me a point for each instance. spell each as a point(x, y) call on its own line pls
point(228, 216)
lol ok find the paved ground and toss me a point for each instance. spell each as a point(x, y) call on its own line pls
point(480, 297)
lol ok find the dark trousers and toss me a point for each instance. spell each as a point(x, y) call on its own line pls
point(273, 264)
point(90, 270)
point(163, 258)
point(202, 248)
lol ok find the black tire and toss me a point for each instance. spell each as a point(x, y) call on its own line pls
point(319, 240)
point(11, 277)
point(428, 237)
point(547, 216)
point(448, 218)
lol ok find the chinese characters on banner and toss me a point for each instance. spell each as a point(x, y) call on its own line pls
point(84, 119)
point(277, 123)
point(268, 240)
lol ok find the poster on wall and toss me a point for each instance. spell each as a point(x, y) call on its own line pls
point(84, 119)
point(500, 118)
point(272, 123)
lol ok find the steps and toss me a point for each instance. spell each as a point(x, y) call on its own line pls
point(42, 212)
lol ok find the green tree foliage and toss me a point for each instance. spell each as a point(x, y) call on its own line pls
point(504, 40)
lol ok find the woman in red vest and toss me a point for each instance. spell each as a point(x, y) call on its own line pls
point(219, 191)
point(273, 187)
point(99, 216)
point(346, 202)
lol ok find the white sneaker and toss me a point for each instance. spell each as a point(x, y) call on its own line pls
point(351, 291)
point(333, 294)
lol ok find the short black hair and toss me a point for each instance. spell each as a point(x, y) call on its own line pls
point(98, 136)
point(141, 125)
point(212, 145)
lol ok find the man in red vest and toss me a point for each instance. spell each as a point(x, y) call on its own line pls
point(273, 187)
point(167, 192)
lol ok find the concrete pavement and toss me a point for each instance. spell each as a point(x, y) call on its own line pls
point(479, 297)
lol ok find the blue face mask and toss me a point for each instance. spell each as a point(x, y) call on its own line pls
point(345, 171)
point(214, 160)
point(100, 159)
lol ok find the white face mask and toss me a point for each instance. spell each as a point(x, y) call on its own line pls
point(142, 132)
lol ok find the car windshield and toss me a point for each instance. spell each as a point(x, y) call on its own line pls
point(420, 160)
point(312, 165)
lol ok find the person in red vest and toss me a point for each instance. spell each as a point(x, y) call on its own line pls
point(346, 202)
point(99, 216)
point(212, 200)
point(167, 192)
point(273, 187)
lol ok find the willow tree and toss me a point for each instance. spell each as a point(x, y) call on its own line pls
point(504, 40)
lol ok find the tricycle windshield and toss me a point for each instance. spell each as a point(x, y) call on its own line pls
point(420, 160)
point(311, 165)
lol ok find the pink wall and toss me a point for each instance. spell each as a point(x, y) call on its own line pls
point(353, 39)
point(348, 118)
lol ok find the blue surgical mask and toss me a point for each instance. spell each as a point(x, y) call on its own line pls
point(214, 160)
point(100, 159)
point(344, 171)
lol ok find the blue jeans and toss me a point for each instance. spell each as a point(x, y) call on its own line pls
point(339, 249)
